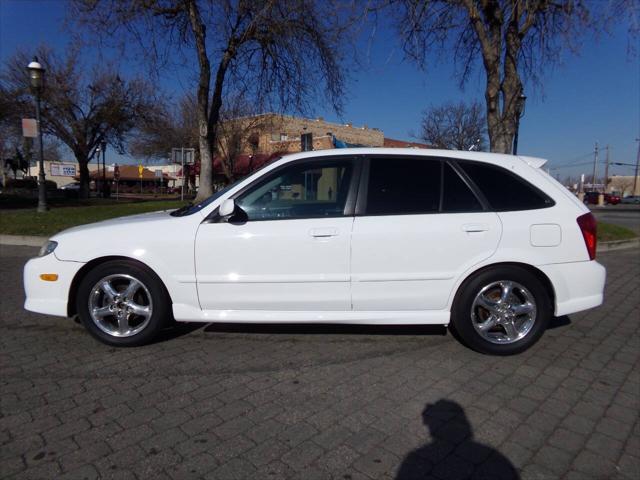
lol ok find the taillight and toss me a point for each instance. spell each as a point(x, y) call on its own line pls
point(587, 224)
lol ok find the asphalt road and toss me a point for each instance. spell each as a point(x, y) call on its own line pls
point(344, 403)
point(617, 215)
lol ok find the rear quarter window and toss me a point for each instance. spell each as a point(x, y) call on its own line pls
point(505, 190)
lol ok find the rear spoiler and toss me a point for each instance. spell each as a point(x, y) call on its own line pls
point(535, 162)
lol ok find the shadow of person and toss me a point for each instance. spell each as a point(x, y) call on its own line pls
point(453, 453)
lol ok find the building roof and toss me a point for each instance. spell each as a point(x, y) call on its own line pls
point(244, 164)
point(393, 143)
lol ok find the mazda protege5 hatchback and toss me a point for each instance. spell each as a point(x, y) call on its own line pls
point(487, 244)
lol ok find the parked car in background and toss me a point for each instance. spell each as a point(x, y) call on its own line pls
point(630, 200)
point(591, 198)
point(73, 186)
point(488, 244)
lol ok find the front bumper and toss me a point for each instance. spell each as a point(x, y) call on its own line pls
point(48, 297)
point(578, 285)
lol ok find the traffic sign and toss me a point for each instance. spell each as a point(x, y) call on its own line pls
point(140, 170)
point(116, 173)
point(183, 156)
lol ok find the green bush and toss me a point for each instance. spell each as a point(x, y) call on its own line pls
point(29, 184)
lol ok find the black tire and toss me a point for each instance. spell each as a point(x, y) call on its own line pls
point(462, 316)
point(153, 287)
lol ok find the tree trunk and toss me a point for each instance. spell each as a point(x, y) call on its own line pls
point(205, 189)
point(83, 164)
point(198, 28)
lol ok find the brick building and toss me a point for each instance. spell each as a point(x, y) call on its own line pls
point(271, 133)
point(256, 140)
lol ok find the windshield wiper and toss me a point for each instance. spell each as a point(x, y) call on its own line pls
point(182, 210)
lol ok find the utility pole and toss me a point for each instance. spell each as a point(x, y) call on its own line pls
point(595, 165)
point(606, 171)
point(635, 178)
point(182, 188)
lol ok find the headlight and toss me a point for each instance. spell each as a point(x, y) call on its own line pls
point(47, 248)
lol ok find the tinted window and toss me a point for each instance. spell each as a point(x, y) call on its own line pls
point(308, 190)
point(457, 196)
point(403, 185)
point(504, 190)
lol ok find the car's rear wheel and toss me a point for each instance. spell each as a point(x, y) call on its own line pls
point(122, 303)
point(501, 311)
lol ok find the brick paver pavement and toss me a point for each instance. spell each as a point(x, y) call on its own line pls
point(347, 403)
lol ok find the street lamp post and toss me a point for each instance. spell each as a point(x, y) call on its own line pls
point(522, 98)
point(36, 77)
point(103, 148)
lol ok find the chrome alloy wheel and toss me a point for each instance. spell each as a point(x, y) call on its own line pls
point(120, 305)
point(503, 312)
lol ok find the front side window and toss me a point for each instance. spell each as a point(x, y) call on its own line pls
point(504, 190)
point(308, 190)
point(400, 186)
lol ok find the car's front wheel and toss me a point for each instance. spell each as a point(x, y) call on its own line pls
point(501, 311)
point(122, 303)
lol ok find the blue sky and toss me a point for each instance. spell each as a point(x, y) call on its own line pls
point(594, 96)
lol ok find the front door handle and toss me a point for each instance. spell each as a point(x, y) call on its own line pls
point(323, 232)
point(475, 227)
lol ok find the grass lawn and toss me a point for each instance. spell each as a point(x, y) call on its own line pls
point(608, 232)
point(29, 222)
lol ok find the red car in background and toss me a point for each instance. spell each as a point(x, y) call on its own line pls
point(591, 198)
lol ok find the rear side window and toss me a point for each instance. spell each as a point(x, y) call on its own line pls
point(457, 196)
point(399, 186)
point(505, 190)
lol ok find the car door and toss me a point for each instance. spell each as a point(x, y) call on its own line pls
point(418, 227)
point(292, 252)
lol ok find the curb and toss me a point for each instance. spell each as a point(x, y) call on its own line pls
point(23, 240)
point(34, 241)
point(618, 245)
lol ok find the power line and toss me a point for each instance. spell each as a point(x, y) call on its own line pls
point(571, 162)
point(570, 165)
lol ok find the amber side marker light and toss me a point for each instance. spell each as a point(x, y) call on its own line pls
point(49, 277)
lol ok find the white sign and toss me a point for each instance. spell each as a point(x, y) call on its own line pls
point(186, 156)
point(29, 127)
point(62, 170)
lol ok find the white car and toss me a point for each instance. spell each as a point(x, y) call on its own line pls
point(488, 244)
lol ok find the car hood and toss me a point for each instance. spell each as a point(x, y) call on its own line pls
point(129, 220)
point(123, 236)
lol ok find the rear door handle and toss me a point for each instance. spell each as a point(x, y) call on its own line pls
point(323, 232)
point(475, 227)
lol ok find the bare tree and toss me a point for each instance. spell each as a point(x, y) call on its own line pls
point(80, 109)
point(455, 126)
point(171, 126)
point(513, 39)
point(17, 153)
point(282, 54)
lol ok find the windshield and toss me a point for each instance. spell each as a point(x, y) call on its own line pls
point(190, 208)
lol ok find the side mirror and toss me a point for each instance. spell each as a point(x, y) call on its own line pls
point(227, 208)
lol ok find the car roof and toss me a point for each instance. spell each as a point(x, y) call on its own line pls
point(486, 157)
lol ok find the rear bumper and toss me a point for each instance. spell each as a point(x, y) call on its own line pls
point(44, 296)
point(578, 286)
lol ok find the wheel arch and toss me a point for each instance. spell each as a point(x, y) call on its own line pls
point(539, 274)
point(86, 268)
